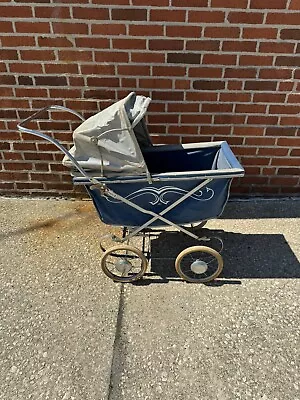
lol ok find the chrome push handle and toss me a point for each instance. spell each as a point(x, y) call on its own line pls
point(22, 128)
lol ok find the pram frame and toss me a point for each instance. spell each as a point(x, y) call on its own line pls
point(100, 184)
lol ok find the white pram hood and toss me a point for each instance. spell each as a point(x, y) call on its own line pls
point(109, 142)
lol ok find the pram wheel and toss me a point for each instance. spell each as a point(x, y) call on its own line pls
point(124, 263)
point(199, 264)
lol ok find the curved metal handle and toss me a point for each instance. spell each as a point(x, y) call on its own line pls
point(22, 128)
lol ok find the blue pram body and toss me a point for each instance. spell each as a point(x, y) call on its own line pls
point(175, 170)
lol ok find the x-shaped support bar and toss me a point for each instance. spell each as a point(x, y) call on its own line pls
point(155, 216)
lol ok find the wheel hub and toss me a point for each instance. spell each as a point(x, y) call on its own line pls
point(199, 267)
point(123, 266)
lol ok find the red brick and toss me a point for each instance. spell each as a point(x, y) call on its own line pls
point(168, 44)
point(290, 121)
point(250, 109)
point(97, 69)
point(54, 42)
point(229, 119)
point(294, 98)
point(189, 31)
point(111, 57)
point(196, 119)
point(183, 107)
point(146, 30)
point(20, 166)
point(167, 15)
point(52, 12)
point(294, 5)
point(28, 68)
point(286, 86)
point(13, 176)
point(6, 26)
point(129, 44)
point(75, 55)
point(289, 171)
point(223, 59)
point(244, 46)
point(295, 153)
point(280, 131)
point(51, 80)
point(293, 34)
point(276, 4)
point(259, 85)
point(183, 130)
point(112, 2)
point(159, 3)
point(279, 18)
point(65, 68)
point(262, 120)
point(234, 85)
point(229, 3)
point(204, 72)
point(206, 16)
point(208, 85)
point(130, 14)
point(31, 92)
point(6, 54)
point(182, 84)
point(235, 97)
point(8, 155)
point(29, 55)
point(255, 60)
point(200, 96)
point(255, 160)
point(33, 27)
point(70, 28)
point(284, 109)
point(8, 114)
point(288, 61)
point(103, 82)
point(134, 70)
point(276, 47)
point(90, 13)
point(21, 41)
point(15, 12)
point(99, 94)
point(183, 58)
point(222, 32)
point(289, 142)
point(259, 33)
point(273, 151)
point(275, 73)
point(268, 98)
point(145, 58)
point(168, 71)
point(216, 108)
point(199, 45)
point(128, 82)
point(260, 141)
point(167, 95)
point(155, 83)
point(163, 119)
point(240, 72)
point(245, 18)
point(189, 3)
point(283, 181)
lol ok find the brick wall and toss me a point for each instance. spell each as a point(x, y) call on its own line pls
point(215, 69)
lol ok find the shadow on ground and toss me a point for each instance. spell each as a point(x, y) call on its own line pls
point(256, 256)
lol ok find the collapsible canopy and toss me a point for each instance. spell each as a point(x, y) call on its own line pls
point(109, 143)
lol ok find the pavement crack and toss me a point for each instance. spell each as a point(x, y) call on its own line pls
point(119, 353)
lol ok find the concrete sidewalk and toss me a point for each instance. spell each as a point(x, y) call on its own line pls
point(68, 332)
